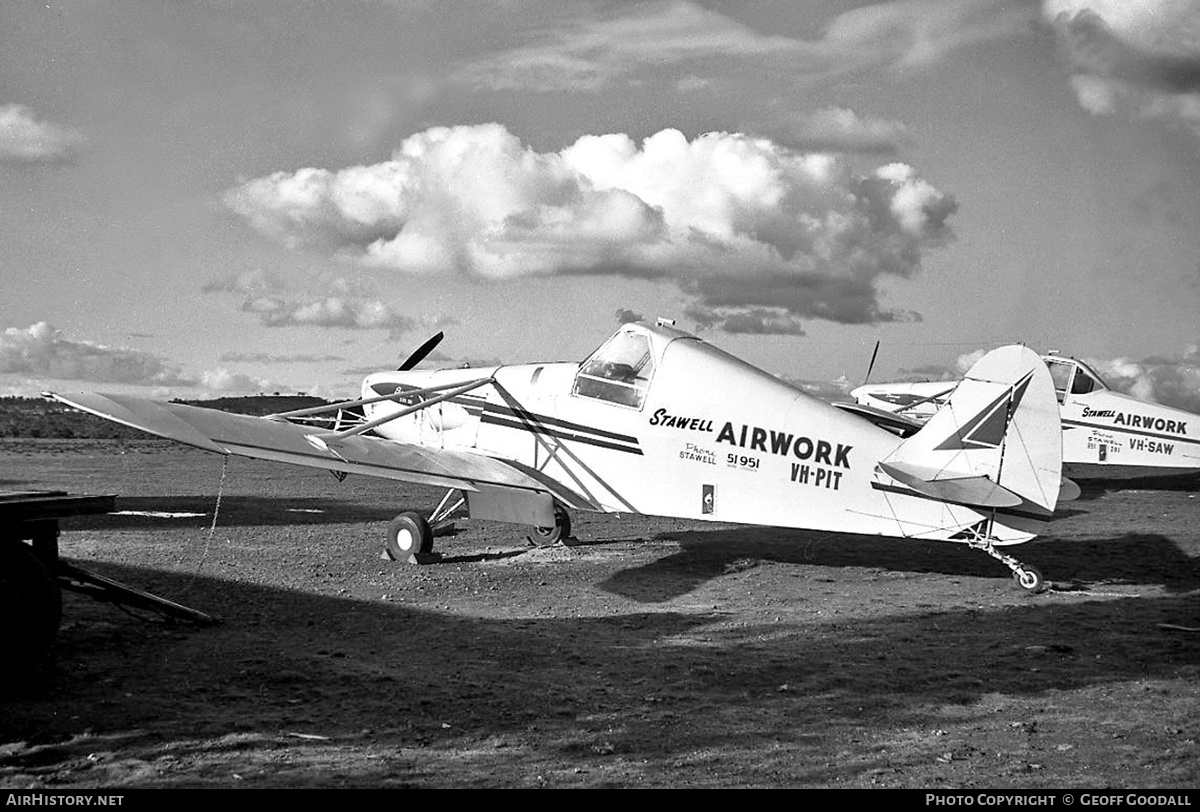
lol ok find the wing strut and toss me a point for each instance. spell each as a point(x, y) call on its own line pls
point(350, 404)
point(322, 438)
point(925, 399)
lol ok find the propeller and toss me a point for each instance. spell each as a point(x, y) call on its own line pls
point(871, 365)
point(418, 355)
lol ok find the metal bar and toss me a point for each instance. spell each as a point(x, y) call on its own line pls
point(926, 399)
point(347, 404)
point(80, 580)
point(441, 514)
point(365, 427)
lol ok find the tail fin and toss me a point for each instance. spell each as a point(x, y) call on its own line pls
point(995, 447)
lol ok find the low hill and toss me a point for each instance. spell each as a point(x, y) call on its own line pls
point(42, 418)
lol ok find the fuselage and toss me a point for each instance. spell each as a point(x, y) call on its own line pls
point(659, 422)
point(1110, 435)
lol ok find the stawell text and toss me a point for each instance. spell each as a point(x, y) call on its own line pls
point(677, 421)
point(754, 438)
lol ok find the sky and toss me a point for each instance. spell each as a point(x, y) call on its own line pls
point(209, 198)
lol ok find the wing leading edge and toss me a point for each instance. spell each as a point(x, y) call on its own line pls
point(281, 441)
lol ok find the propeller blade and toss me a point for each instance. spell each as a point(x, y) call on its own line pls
point(418, 355)
point(871, 365)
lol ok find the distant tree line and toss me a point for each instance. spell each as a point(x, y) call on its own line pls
point(49, 419)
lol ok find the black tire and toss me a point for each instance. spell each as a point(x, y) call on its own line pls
point(30, 606)
point(407, 535)
point(1030, 579)
point(561, 531)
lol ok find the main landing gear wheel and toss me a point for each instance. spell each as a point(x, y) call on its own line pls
point(409, 539)
point(1029, 578)
point(560, 531)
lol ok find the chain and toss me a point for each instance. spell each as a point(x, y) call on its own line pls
point(212, 528)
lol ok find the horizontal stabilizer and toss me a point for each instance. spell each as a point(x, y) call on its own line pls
point(975, 491)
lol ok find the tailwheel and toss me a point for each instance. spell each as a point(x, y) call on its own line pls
point(559, 531)
point(1029, 578)
point(410, 540)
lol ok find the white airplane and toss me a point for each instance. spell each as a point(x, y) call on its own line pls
point(1106, 435)
point(659, 422)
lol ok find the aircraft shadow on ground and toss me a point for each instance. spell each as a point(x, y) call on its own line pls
point(397, 675)
point(1095, 488)
point(235, 510)
point(706, 554)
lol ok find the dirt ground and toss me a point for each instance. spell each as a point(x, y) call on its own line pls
point(655, 653)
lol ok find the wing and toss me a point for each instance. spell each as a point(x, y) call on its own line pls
point(896, 423)
point(281, 441)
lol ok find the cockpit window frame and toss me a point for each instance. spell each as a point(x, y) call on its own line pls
point(1061, 364)
point(1078, 372)
point(607, 375)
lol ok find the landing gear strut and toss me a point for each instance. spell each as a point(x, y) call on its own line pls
point(979, 536)
point(439, 520)
point(559, 531)
point(410, 535)
point(1030, 578)
point(1027, 577)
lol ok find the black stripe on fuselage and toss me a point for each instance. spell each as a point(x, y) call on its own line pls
point(498, 414)
point(1125, 430)
point(516, 418)
point(516, 411)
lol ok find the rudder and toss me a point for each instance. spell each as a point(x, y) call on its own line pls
point(996, 446)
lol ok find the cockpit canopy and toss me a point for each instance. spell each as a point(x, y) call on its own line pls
point(1072, 376)
point(619, 372)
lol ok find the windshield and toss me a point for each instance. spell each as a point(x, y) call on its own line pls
point(1073, 376)
point(1060, 373)
point(619, 372)
point(1094, 379)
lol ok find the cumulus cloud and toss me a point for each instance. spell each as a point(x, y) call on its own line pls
point(825, 390)
point(273, 358)
point(434, 360)
point(755, 320)
point(836, 129)
point(1169, 381)
point(741, 224)
point(41, 351)
point(26, 139)
point(340, 303)
point(1143, 57)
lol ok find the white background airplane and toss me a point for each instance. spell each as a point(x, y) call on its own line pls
point(1106, 435)
point(657, 421)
